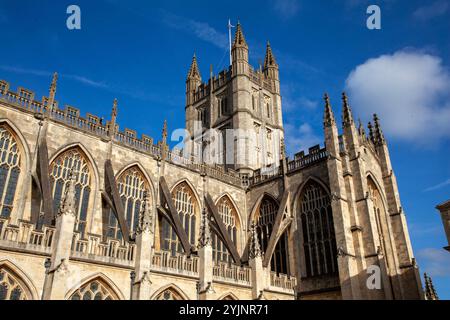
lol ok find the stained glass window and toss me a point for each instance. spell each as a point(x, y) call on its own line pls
point(169, 294)
point(264, 225)
point(10, 287)
point(132, 186)
point(229, 218)
point(9, 171)
point(74, 160)
point(187, 208)
point(94, 290)
point(319, 243)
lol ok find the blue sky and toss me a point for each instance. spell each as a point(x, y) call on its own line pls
point(140, 53)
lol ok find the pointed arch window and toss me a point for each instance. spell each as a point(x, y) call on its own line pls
point(264, 226)
point(132, 187)
point(380, 215)
point(10, 161)
point(169, 294)
point(319, 242)
point(229, 218)
point(94, 290)
point(75, 160)
point(11, 287)
point(188, 209)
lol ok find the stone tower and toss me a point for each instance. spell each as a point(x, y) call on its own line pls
point(239, 98)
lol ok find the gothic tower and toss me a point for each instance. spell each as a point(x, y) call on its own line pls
point(240, 98)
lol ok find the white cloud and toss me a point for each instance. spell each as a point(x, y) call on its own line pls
point(300, 138)
point(434, 261)
point(436, 9)
point(409, 90)
point(201, 30)
point(438, 186)
point(286, 8)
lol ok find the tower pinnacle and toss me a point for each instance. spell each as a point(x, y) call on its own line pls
point(52, 92)
point(239, 39)
point(379, 136)
point(194, 72)
point(328, 118)
point(269, 60)
point(430, 291)
point(347, 117)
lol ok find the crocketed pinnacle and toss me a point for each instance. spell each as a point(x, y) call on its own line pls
point(239, 39)
point(194, 72)
point(328, 118)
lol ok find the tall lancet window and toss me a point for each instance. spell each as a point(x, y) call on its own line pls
point(187, 208)
point(132, 186)
point(229, 218)
point(319, 243)
point(380, 216)
point(75, 160)
point(9, 171)
point(264, 225)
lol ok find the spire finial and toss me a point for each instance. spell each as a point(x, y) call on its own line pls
point(164, 133)
point(194, 72)
point(114, 110)
point(52, 92)
point(68, 205)
point(328, 115)
point(239, 39)
point(430, 291)
point(145, 215)
point(112, 124)
point(255, 248)
point(371, 135)
point(379, 136)
point(205, 232)
point(347, 117)
point(269, 60)
point(361, 130)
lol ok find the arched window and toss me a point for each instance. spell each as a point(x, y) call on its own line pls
point(9, 171)
point(11, 287)
point(132, 186)
point(229, 218)
point(94, 290)
point(319, 243)
point(264, 226)
point(75, 160)
point(187, 208)
point(169, 294)
point(380, 215)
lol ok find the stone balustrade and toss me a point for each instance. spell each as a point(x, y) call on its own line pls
point(164, 261)
point(232, 273)
point(111, 251)
point(283, 282)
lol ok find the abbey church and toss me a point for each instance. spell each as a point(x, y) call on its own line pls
point(92, 211)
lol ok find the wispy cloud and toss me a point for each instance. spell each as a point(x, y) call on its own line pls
point(42, 73)
point(201, 30)
point(433, 10)
point(134, 93)
point(19, 70)
point(434, 261)
point(300, 138)
point(438, 186)
point(286, 9)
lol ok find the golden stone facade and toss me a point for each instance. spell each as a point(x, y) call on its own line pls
point(90, 212)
